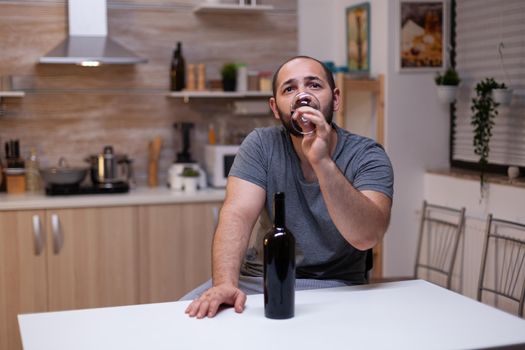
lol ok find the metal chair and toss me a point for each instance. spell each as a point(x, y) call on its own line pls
point(439, 234)
point(502, 275)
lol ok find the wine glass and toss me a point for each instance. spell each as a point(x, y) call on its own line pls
point(301, 124)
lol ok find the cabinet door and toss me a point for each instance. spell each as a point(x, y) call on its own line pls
point(92, 257)
point(175, 249)
point(22, 271)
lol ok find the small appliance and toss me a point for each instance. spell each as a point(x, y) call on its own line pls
point(218, 161)
point(184, 160)
point(109, 169)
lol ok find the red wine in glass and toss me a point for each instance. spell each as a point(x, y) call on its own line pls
point(300, 124)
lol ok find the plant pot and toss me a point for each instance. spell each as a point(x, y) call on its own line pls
point(190, 184)
point(447, 93)
point(502, 96)
point(229, 84)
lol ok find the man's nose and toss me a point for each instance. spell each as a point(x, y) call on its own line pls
point(301, 88)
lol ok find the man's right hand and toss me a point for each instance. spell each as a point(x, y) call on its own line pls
point(208, 303)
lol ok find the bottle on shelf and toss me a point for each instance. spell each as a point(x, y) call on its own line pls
point(33, 179)
point(242, 77)
point(212, 139)
point(191, 82)
point(279, 265)
point(201, 77)
point(178, 70)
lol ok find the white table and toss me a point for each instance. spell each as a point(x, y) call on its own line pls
point(399, 315)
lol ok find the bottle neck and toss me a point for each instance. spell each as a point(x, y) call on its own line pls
point(279, 211)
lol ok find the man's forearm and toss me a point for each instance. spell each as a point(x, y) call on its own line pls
point(229, 246)
point(361, 219)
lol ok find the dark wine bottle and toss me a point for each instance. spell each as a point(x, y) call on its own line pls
point(178, 70)
point(279, 266)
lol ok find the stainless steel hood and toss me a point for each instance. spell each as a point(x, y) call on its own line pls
point(88, 43)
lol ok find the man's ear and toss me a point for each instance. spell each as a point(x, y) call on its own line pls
point(273, 107)
point(337, 99)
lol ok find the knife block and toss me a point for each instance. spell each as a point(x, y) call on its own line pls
point(16, 184)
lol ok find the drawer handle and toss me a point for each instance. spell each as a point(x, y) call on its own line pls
point(39, 237)
point(58, 238)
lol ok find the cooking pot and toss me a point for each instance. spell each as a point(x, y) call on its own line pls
point(108, 168)
point(63, 174)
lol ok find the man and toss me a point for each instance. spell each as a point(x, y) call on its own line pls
point(338, 187)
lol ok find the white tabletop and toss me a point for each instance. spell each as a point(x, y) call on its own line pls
point(397, 315)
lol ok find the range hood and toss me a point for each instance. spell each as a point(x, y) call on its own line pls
point(88, 43)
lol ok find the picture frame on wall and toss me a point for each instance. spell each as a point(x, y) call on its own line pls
point(358, 39)
point(422, 35)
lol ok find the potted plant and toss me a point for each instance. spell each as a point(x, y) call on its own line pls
point(484, 110)
point(229, 76)
point(190, 179)
point(502, 95)
point(447, 85)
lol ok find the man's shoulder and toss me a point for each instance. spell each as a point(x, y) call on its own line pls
point(352, 140)
point(265, 135)
point(268, 131)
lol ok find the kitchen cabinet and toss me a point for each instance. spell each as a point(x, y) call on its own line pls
point(92, 257)
point(75, 258)
point(65, 259)
point(23, 281)
point(175, 248)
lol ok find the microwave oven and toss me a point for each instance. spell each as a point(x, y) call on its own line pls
point(218, 160)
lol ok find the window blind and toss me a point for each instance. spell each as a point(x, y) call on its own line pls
point(481, 25)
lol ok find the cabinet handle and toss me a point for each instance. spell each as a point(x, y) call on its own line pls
point(39, 238)
point(58, 238)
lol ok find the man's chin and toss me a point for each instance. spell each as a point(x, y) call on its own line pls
point(291, 130)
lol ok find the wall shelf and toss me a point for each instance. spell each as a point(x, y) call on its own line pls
point(186, 95)
point(12, 94)
point(376, 87)
point(232, 8)
point(9, 94)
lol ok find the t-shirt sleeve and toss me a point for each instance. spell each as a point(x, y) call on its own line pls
point(374, 171)
point(250, 164)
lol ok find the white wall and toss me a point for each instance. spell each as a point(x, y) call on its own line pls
point(416, 139)
point(316, 29)
point(416, 124)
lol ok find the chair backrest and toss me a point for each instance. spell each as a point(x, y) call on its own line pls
point(502, 274)
point(439, 234)
point(369, 263)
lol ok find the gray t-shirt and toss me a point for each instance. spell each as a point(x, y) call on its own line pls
point(267, 159)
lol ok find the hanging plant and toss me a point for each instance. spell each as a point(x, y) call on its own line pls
point(484, 110)
point(502, 95)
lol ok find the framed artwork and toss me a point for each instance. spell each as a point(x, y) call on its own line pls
point(358, 39)
point(421, 35)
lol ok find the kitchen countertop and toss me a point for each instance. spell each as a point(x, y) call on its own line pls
point(136, 196)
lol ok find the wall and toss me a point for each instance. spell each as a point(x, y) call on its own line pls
point(73, 111)
point(417, 139)
point(416, 125)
